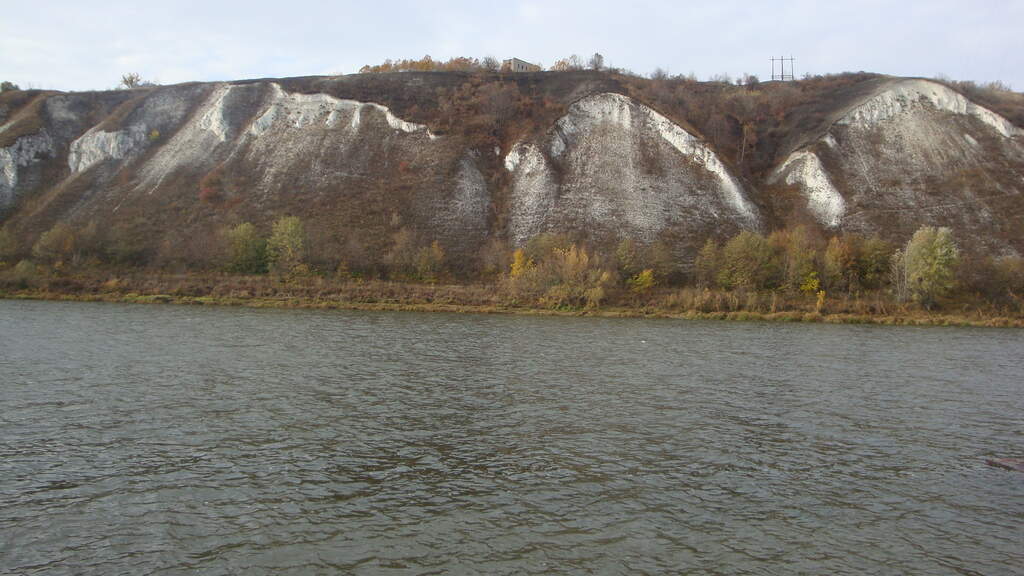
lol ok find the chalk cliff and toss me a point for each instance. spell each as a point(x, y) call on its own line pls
point(365, 157)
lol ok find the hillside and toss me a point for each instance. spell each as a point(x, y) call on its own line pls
point(476, 160)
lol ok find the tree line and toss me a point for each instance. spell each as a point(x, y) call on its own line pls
point(556, 270)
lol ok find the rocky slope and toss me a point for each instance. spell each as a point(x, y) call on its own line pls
point(912, 153)
point(612, 167)
point(364, 159)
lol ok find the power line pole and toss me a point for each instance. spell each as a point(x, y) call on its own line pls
point(782, 76)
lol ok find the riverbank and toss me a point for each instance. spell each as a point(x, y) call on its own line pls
point(681, 303)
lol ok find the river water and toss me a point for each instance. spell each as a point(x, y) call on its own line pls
point(168, 439)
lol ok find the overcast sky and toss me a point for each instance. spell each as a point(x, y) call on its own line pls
point(80, 45)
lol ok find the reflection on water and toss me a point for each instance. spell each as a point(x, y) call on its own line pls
point(141, 439)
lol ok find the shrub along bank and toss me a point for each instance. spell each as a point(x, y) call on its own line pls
point(789, 274)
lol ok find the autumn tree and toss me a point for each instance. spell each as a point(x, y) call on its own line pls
point(8, 246)
point(520, 265)
point(56, 245)
point(748, 261)
point(565, 64)
point(931, 259)
point(628, 256)
point(286, 248)
point(873, 262)
point(707, 264)
point(798, 251)
point(430, 262)
point(840, 264)
point(495, 257)
point(643, 282)
point(401, 257)
point(898, 275)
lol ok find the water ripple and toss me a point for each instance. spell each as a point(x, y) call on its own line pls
point(145, 440)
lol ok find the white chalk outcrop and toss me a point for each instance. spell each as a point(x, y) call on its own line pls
point(534, 191)
point(98, 145)
point(804, 169)
point(903, 156)
point(905, 95)
point(158, 112)
point(287, 129)
point(301, 110)
point(612, 165)
point(25, 151)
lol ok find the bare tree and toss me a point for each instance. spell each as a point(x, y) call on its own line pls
point(596, 61)
point(131, 80)
point(571, 63)
point(491, 64)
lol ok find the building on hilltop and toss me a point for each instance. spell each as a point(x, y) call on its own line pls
point(517, 65)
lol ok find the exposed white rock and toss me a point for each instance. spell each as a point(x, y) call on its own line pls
point(903, 156)
point(301, 110)
point(195, 142)
point(512, 159)
point(291, 128)
point(604, 178)
point(901, 96)
point(464, 214)
point(160, 111)
point(804, 169)
point(621, 110)
point(211, 117)
point(25, 150)
point(533, 194)
point(98, 145)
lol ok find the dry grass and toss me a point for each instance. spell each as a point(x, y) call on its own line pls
point(321, 293)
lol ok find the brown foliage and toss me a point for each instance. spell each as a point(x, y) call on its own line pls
point(428, 64)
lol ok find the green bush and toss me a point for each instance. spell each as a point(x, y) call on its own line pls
point(248, 252)
point(748, 261)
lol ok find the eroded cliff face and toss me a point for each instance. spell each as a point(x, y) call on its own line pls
point(185, 161)
point(915, 152)
point(614, 168)
point(178, 164)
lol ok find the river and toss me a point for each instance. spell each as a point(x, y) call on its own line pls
point(145, 439)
